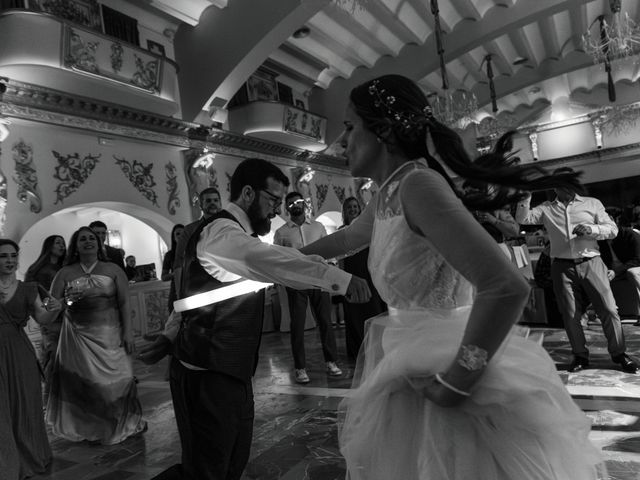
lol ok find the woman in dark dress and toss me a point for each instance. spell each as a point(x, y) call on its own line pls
point(24, 447)
point(167, 263)
point(356, 314)
point(42, 272)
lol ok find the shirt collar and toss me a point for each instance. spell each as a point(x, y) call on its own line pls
point(241, 216)
point(577, 198)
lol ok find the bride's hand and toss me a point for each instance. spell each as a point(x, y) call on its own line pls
point(432, 389)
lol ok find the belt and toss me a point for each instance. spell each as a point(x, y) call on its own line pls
point(575, 261)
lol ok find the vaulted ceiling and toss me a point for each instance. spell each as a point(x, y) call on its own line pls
point(536, 50)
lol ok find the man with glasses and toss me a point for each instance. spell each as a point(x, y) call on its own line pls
point(216, 348)
point(298, 232)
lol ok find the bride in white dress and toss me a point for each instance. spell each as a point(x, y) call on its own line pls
point(443, 390)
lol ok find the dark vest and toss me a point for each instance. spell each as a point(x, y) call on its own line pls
point(223, 337)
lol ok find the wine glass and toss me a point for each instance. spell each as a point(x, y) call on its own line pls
point(73, 291)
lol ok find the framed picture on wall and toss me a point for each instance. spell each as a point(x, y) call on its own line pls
point(155, 47)
point(82, 12)
point(262, 86)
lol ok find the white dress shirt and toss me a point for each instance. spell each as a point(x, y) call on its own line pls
point(560, 220)
point(228, 252)
point(297, 236)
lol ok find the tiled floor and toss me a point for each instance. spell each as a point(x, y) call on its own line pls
point(295, 430)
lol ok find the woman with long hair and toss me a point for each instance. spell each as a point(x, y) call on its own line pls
point(42, 271)
point(356, 314)
point(93, 391)
point(24, 446)
point(442, 388)
point(167, 263)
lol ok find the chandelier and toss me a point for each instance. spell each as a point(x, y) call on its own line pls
point(617, 120)
point(617, 39)
point(454, 108)
point(493, 127)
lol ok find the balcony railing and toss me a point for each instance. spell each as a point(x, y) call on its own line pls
point(42, 49)
point(280, 122)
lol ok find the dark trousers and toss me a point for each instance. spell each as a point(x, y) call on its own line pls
point(321, 308)
point(575, 287)
point(214, 413)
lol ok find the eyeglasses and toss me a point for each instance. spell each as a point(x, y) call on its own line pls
point(274, 200)
point(300, 202)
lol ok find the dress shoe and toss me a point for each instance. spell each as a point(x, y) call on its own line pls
point(578, 364)
point(627, 364)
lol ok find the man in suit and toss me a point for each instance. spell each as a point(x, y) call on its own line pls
point(216, 346)
point(114, 255)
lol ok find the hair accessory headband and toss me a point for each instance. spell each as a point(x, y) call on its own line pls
point(386, 102)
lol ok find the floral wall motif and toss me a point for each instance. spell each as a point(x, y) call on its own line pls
point(172, 188)
point(140, 177)
point(71, 172)
point(156, 311)
point(83, 12)
point(25, 176)
point(90, 52)
point(321, 194)
point(304, 123)
point(340, 193)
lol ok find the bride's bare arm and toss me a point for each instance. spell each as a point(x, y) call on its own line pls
point(346, 241)
point(434, 211)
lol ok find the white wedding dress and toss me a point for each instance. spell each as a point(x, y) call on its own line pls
point(520, 423)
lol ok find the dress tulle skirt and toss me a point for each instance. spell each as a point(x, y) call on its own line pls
point(520, 423)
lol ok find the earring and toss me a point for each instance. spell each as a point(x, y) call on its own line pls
point(379, 139)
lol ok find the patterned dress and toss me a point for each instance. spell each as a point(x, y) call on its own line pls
point(519, 423)
point(93, 391)
point(24, 447)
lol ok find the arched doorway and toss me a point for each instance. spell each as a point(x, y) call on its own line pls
point(140, 232)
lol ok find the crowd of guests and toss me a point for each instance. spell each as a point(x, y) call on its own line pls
point(452, 301)
point(80, 297)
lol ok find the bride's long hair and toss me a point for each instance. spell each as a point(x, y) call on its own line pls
point(397, 111)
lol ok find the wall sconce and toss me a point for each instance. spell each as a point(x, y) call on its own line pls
point(307, 175)
point(205, 160)
point(4, 129)
point(597, 132)
point(533, 139)
point(367, 185)
point(114, 239)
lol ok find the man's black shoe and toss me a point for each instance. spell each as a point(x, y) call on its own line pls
point(627, 364)
point(578, 364)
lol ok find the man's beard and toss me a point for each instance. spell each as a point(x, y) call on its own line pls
point(260, 225)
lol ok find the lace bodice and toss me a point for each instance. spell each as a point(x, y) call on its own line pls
point(406, 270)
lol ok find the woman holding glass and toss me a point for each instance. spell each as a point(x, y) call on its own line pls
point(93, 391)
point(24, 447)
point(42, 271)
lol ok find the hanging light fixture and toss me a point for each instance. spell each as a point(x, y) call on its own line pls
point(454, 109)
point(618, 38)
point(618, 119)
point(205, 160)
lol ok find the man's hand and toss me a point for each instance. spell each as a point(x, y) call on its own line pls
point(582, 229)
point(611, 274)
point(155, 351)
point(358, 290)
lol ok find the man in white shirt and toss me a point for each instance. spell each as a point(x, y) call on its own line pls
point(575, 224)
point(216, 344)
point(298, 232)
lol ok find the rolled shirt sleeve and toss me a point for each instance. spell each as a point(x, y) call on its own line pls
point(228, 253)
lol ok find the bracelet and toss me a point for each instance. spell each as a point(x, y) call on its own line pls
point(451, 387)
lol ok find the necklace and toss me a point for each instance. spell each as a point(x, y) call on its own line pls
point(88, 269)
